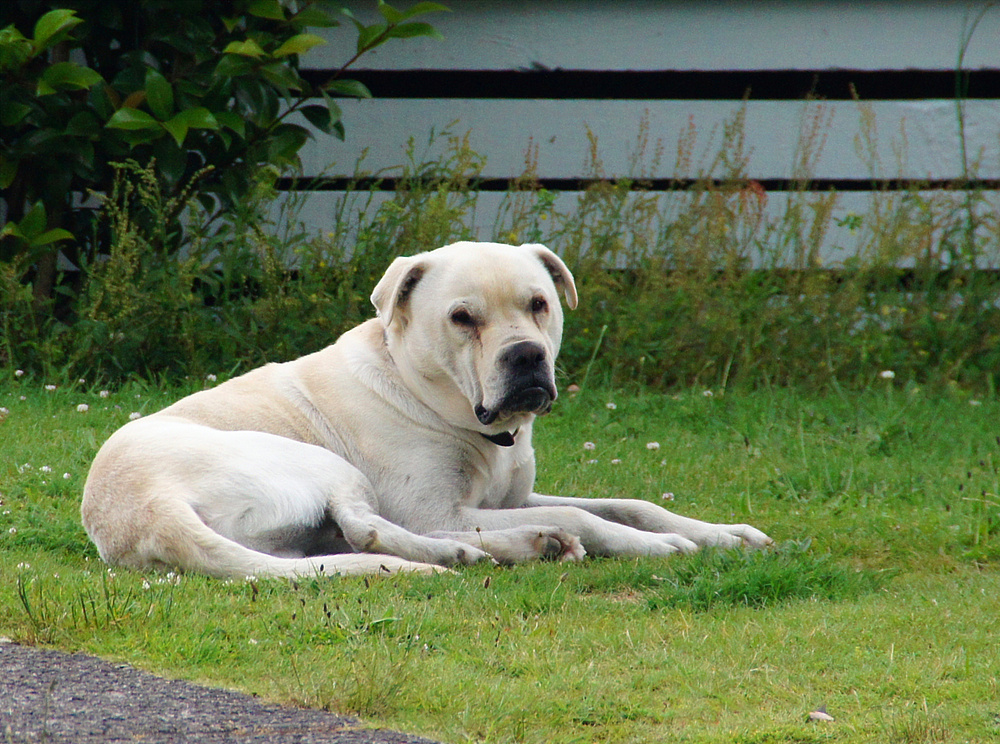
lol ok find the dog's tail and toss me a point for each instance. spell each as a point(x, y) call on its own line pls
point(181, 540)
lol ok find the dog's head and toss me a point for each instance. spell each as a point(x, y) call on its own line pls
point(474, 329)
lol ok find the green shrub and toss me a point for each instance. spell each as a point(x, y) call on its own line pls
point(206, 91)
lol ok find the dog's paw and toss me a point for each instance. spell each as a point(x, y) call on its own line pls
point(412, 567)
point(675, 543)
point(738, 535)
point(455, 553)
point(557, 545)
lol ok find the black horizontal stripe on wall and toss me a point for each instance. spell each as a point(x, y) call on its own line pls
point(658, 184)
point(772, 85)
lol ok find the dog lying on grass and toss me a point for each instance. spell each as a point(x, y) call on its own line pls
point(406, 445)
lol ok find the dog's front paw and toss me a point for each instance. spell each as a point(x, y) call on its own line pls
point(558, 545)
point(738, 535)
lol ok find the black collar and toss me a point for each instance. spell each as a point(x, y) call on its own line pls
point(503, 439)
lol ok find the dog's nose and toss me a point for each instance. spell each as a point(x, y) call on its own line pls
point(523, 357)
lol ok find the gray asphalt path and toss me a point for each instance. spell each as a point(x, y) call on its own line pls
point(50, 696)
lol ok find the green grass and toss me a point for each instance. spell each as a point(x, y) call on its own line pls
point(879, 602)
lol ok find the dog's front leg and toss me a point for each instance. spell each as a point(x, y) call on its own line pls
point(598, 536)
point(523, 543)
point(646, 516)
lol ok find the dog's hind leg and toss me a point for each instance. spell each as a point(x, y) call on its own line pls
point(185, 542)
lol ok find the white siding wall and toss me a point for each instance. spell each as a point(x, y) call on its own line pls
point(916, 139)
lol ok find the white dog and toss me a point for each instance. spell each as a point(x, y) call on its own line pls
point(406, 445)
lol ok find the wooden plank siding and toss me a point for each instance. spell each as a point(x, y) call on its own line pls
point(868, 89)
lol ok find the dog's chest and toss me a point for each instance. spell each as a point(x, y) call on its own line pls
point(501, 480)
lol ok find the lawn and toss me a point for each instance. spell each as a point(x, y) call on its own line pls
point(879, 602)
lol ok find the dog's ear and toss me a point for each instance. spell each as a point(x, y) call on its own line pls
point(560, 273)
point(393, 289)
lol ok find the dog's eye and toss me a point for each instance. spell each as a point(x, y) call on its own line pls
point(539, 305)
point(463, 318)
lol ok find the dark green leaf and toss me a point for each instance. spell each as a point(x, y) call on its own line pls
point(319, 116)
point(370, 37)
point(8, 172)
point(197, 118)
point(349, 88)
point(248, 48)
point(178, 129)
point(100, 98)
point(410, 30)
point(285, 144)
point(298, 44)
point(66, 76)
point(34, 222)
point(232, 121)
point(132, 119)
point(233, 65)
point(11, 229)
point(270, 9)
point(170, 159)
point(282, 76)
point(15, 50)
point(51, 236)
point(423, 8)
point(390, 14)
point(335, 113)
point(159, 94)
point(12, 113)
point(52, 26)
point(316, 17)
point(83, 124)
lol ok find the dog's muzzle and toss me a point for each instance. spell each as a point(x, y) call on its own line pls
point(528, 384)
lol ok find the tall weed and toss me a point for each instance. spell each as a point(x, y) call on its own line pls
point(715, 282)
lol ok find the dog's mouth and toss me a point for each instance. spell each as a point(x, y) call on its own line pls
point(536, 399)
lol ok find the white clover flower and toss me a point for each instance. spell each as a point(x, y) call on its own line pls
point(146, 585)
point(708, 393)
point(66, 476)
point(652, 445)
point(4, 411)
point(23, 566)
point(50, 388)
point(82, 408)
point(589, 446)
point(887, 374)
point(134, 415)
point(211, 378)
point(104, 393)
point(668, 496)
point(12, 531)
point(18, 373)
point(611, 406)
point(82, 381)
point(252, 641)
point(616, 461)
point(592, 462)
point(45, 469)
